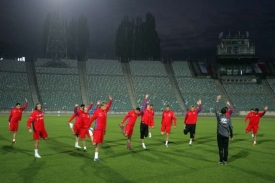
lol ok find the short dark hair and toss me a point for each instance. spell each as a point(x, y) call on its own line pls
point(138, 109)
point(82, 105)
point(251, 109)
point(152, 105)
point(17, 104)
point(226, 108)
point(223, 110)
point(167, 106)
point(256, 109)
point(37, 105)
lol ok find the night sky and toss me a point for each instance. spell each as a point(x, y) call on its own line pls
point(187, 28)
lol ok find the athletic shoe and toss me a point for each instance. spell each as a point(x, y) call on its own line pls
point(150, 135)
point(14, 142)
point(85, 150)
point(96, 159)
point(190, 143)
point(224, 162)
point(129, 148)
point(220, 163)
point(144, 147)
point(37, 156)
point(77, 147)
point(254, 144)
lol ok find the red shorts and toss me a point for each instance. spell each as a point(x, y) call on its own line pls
point(128, 130)
point(84, 133)
point(151, 123)
point(77, 129)
point(98, 136)
point(252, 127)
point(40, 134)
point(165, 128)
point(14, 126)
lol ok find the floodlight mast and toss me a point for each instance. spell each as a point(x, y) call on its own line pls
point(57, 39)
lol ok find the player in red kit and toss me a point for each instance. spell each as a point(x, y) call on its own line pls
point(100, 118)
point(254, 122)
point(152, 120)
point(167, 117)
point(248, 118)
point(75, 127)
point(36, 126)
point(145, 118)
point(229, 110)
point(190, 121)
point(14, 118)
point(131, 118)
point(85, 129)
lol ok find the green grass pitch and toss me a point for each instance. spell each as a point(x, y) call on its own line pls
point(61, 162)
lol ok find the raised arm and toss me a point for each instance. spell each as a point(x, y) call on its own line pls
point(25, 105)
point(263, 113)
point(144, 104)
point(230, 107)
point(199, 106)
point(90, 106)
point(109, 104)
point(216, 106)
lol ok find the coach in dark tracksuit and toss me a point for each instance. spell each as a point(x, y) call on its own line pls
point(224, 129)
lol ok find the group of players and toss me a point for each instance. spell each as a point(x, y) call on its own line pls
point(85, 116)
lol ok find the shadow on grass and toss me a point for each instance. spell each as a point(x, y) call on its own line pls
point(99, 171)
point(29, 174)
point(264, 176)
point(241, 154)
point(12, 149)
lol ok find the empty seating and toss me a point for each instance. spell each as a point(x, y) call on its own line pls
point(103, 67)
point(12, 66)
point(181, 68)
point(147, 68)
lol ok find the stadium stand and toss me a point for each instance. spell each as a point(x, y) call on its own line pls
point(181, 68)
point(106, 77)
point(247, 95)
point(58, 92)
point(152, 78)
point(147, 68)
point(193, 89)
point(14, 86)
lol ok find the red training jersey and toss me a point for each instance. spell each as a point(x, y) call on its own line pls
point(249, 116)
point(37, 120)
point(192, 116)
point(152, 114)
point(146, 116)
point(168, 117)
point(78, 113)
point(84, 121)
point(131, 118)
point(16, 113)
point(229, 111)
point(255, 119)
point(100, 117)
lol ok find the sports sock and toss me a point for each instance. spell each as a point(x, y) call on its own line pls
point(35, 151)
point(76, 144)
point(252, 135)
point(254, 141)
point(166, 142)
point(96, 155)
point(85, 147)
